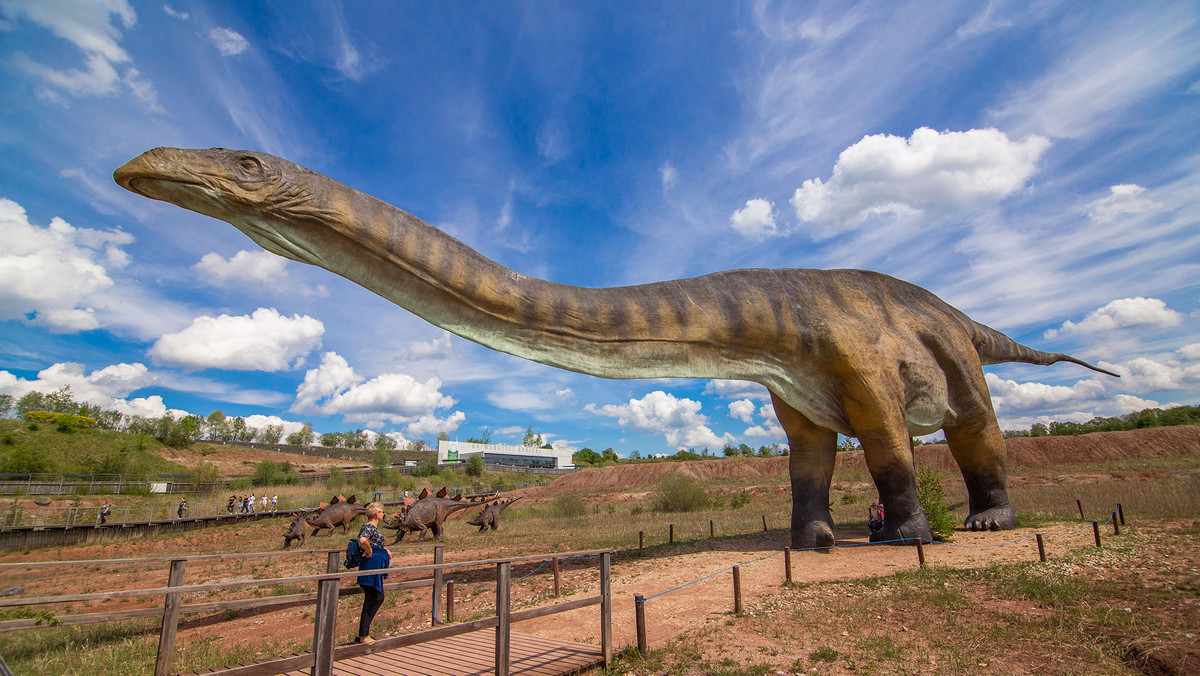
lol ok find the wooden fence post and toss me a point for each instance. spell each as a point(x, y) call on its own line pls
point(170, 620)
point(920, 553)
point(764, 516)
point(641, 542)
point(450, 601)
point(325, 626)
point(1079, 504)
point(554, 565)
point(1041, 548)
point(671, 534)
point(1116, 526)
point(503, 578)
point(1096, 531)
point(787, 564)
point(639, 612)
point(711, 532)
point(606, 640)
point(737, 590)
point(438, 553)
point(1120, 514)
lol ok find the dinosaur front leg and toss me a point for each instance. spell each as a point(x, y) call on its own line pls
point(978, 448)
point(882, 430)
point(811, 460)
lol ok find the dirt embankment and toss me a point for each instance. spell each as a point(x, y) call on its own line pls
point(1023, 452)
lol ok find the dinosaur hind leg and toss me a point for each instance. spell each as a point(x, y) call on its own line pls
point(978, 447)
point(813, 451)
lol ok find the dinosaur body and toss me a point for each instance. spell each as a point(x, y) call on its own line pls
point(841, 351)
point(490, 516)
point(428, 513)
point(338, 513)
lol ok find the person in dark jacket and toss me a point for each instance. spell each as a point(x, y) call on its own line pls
point(380, 558)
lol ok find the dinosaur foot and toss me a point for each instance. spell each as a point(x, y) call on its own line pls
point(997, 518)
point(916, 526)
point(812, 535)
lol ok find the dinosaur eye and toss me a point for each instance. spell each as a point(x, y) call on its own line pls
point(250, 164)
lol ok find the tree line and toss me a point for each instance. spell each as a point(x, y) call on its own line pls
point(1147, 417)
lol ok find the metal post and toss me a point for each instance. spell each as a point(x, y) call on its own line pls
point(641, 542)
point(1120, 514)
point(606, 640)
point(1080, 506)
point(764, 516)
point(170, 621)
point(503, 577)
point(1116, 526)
point(737, 590)
point(1096, 531)
point(325, 625)
point(920, 553)
point(671, 534)
point(787, 564)
point(437, 586)
point(1041, 548)
point(639, 611)
point(711, 533)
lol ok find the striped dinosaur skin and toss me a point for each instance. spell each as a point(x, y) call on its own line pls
point(848, 351)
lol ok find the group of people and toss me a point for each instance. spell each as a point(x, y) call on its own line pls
point(247, 504)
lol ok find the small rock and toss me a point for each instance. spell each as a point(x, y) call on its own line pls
point(903, 628)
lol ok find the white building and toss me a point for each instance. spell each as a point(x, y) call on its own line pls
point(504, 454)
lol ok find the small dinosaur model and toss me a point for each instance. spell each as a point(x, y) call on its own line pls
point(490, 516)
point(840, 351)
point(428, 513)
point(337, 513)
point(297, 530)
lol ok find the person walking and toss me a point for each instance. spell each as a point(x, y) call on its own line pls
point(183, 508)
point(275, 502)
point(105, 510)
point(250, 501)
point(264, 502)
point(381, 558)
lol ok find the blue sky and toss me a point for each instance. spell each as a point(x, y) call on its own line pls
point(1034, 164)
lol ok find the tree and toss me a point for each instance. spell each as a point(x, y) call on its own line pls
point(385, 442)
point(745, 450)
point(730, 450)
point(270, 434)
point(475, 464)
point(1039, 430)
point(238, 430)
point(418, 445)
point(532, 439)
point(6, 404)
point(586, 456)
point(609, 455)
point(356, 438)
point(765, 451)
point(332, 439)
point(485, 437)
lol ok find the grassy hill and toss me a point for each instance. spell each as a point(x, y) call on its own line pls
point(33, 448)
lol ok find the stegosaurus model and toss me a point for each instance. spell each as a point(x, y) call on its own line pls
point(490, 516)
point(338, 512)
point(428, 513)
point(840, 351)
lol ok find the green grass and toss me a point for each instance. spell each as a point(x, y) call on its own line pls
point(84, 451)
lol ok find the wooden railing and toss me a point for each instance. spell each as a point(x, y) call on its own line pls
point(324, 651)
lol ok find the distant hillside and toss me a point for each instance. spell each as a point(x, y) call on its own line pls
point(1155, 442)
point(44, 449)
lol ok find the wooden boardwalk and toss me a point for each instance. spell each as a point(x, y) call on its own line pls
point(471, 654)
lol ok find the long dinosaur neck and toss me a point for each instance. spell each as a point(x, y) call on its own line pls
point(607, 332)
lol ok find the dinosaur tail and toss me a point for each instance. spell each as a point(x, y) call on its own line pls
point(996, 348)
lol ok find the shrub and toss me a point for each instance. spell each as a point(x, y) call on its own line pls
point(569, 506)
point(475, 465)
point(428, 468)
point(739, 500)
point(636, 510)
point(337, 478)
point(932, 497)
point(677, 493)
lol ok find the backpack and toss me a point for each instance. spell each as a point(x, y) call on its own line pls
point(354, 555)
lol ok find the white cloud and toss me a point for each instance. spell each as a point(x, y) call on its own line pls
point(1010, 397)
point(245, 267)
point(669, 175)
point(1122, 313)
point(431, 424)
point(1190, 352)
point(438, 347)
point(107, 387)
point(742, 409)
point(334, 388)
point(737, 389)
point(1148, 375)
point(228, 41)
point(171, 11)
point(679, 420)
point(87, 24)
point(757, 219)
point(262, 341)
point(930, 172)
point(1126, 199)
point(48, 275)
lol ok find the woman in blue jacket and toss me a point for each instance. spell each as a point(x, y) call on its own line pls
point(371, 540)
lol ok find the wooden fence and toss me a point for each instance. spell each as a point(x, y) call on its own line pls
point(324, 651)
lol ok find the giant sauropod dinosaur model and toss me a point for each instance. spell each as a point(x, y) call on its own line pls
point(846, 351)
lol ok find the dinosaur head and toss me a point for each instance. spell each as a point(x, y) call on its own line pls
point(280, 205)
